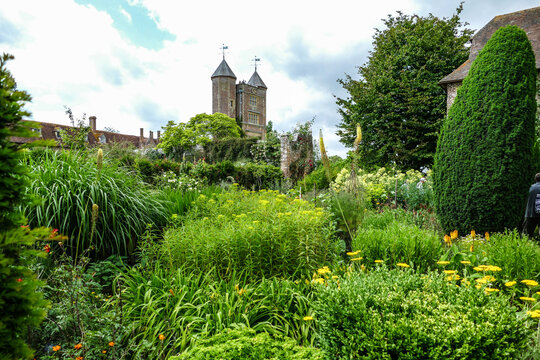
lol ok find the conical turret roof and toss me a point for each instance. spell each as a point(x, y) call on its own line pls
point(256, 81)
point(223, 70)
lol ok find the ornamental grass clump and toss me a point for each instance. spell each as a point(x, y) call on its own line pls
point(69, 184)
point(396, 314)
point(262, 234)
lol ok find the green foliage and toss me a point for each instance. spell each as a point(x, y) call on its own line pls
point(22, 304)
point(231, 149)
point(69, 186)
point(75, 137)
point(246, 344)
point(261, 234)
point(268, 151)
point(80, 312)
point(399, 243)
point(318, 179)
point(201, 129)
point(301, 154)
point(12, 173)
point(483, 165)
point(397, 99)
point(185, 305)
point(396, 314)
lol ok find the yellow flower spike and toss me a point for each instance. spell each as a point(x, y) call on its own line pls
point(403, 265)
point(443, 262)
point(307, 318)
point(529, 282)
point(471, 249)
point(473, 233)
point(466, 262)
point(525, 298)
point(510, 283)
point(379, 261)
point(358, 136)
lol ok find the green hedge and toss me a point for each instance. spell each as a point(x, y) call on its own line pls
point(483, 165)
point(229, 149)
point(398, 314)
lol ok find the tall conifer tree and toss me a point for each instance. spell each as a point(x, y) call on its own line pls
point(483, 163)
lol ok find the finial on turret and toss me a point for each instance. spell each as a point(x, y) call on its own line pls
point(255, 60)
point(223, 48)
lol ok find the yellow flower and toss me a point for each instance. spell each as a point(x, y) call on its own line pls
point(353, 253)
point(379, 261)
point(335, 277)
point(490, 290)
point(525, 298)
point(161, 337)
point(450, 272)
point(473, 234)
point(509, 283)
point(454, 234)
point(453, 277)
point(481, 281)
point(534, 314)
point(529, 282)
point(447, 240)
point(403, 265)
point(319, 281)
point(486, 235)
point(308, 318)
point(323, 270)
point(443, 262)
point(111, 344)
point(489, 278)
point(466, 262)
point(493, 268)
point(56, 348)
point(357, 259)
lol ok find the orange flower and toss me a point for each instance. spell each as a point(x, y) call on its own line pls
point(111, 344)
point(79, 358)
point(447, 240)
point(486, 235)
point(473, 234)
point(161, 337)
point(78, 346)
point(454, 234)
point(56, 348)
point(104, 352)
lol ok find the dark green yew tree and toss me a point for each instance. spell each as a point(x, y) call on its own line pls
point(21, 305)
point(483, 163)
point(397, 99)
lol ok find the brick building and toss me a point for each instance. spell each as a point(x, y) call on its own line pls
point(245, 102)
point(528, 20)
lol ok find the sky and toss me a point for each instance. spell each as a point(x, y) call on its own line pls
point(141, 63)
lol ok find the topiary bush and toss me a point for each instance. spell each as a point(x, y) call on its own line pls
point(483, 163)
point(399, 314)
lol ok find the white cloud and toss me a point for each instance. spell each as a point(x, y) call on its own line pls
point(126, 15)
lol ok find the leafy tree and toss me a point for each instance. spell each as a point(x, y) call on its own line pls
point(199, 130)
point(268, 151)
point(75, 137)
point(483, 164)
point(397, 99)
point(22, 306)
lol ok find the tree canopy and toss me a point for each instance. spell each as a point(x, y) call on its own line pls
point(483, 165)
point(397, 99)
point(199, 130)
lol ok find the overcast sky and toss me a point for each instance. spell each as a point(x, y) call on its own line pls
point(141, 63)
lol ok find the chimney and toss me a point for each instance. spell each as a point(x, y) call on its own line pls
point(158, 135)
point(141, 137)
point(151, 136)
point(92, 120)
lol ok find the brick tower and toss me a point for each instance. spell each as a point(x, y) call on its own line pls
point(224, 90)
point(245, 102)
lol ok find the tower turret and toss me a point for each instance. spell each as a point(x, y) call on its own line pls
point(224, 90)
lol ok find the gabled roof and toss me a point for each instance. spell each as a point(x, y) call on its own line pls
point(256, 81)
point(223, 70)
point(528, 20)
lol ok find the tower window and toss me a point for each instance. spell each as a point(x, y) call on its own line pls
point(252, 100)
point(253, 118)
point(231, 103)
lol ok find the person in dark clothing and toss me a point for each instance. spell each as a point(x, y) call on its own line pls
point(532, 212)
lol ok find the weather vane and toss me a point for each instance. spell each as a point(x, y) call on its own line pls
point(223, 48)
point(255, 60)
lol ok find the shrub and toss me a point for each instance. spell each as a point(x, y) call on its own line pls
point(232, 149)
point(318, 178)
point(261, 234)
point(246, 344)
point(71, 184)
point(185, 305)
point(483, 163)
point(399, 242)
point(22, 305)
point(396, 314)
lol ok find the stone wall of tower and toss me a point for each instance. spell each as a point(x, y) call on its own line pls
point(224, 95)
point(251, 109)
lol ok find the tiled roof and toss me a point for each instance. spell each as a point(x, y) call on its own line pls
point(223, 70)
point(528, 20)
point(256, 80)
